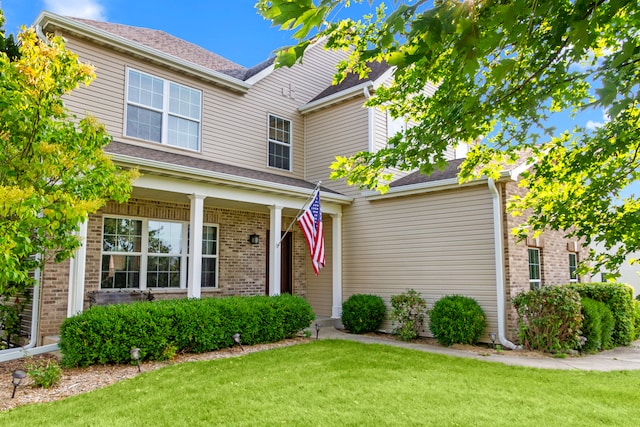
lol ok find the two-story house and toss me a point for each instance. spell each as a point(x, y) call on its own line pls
point(228, 157)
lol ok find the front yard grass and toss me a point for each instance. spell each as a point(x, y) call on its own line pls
point(337, 383)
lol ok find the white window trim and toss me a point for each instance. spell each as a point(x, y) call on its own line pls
point(290, 145)
point(216, 256)
point(575, 279)
point(534, 283)
point(144, 253)
point(164, 129)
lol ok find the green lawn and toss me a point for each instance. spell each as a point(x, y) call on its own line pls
point(336, 383)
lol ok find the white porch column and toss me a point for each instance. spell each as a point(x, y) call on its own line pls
point(77, 264)
point(275, 226)
point(336, 309)
point(195, 245)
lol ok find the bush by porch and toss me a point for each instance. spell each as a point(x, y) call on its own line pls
point(106, 334)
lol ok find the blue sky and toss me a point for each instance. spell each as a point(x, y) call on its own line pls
point(230, 28)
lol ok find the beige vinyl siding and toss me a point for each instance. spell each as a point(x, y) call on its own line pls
point(233, 125)
point(438, 243)
point(341, 130)
point(320, 288)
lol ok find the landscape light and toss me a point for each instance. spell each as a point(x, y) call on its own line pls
point(236, 339)
point(135, 355)
point(16, 379)
point(492, 335)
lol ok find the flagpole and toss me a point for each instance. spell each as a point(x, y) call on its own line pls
point(298, 213)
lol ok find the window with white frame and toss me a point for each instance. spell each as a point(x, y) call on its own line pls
point(162, 111)
point(395, 125)
point(534, 269)
point(279, 142)
point(152, 254)
point(573, 266)
point(209, 278)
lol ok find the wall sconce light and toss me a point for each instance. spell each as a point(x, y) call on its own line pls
point(236, 339)
point(492, 336)
point(16, 379)
point(254, 239)
point(135, 355)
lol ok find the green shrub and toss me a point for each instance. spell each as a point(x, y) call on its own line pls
point(106, 334)
point(549, 318)
point(363, 313)
point(608, 325)
point(597, 325)
point(408, 311)
point(457, 319)
point(45, 375)
point(636, 319)
point(591, 325)
point(618, 297)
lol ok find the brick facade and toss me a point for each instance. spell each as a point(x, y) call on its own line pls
point(554, 258)
point(241, 270)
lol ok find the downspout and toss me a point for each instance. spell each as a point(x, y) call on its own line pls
point(499, 256)
point(30, 349)
point(370, 121)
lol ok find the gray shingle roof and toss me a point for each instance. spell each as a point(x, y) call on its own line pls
point(135, 151)
point(351, 80)
point(450, 171)
point(171, 45)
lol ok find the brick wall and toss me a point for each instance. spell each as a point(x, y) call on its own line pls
point(554, 258)
point(54, 298)
point(241, 271)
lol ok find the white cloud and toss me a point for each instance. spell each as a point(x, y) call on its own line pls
point(89, 9)
point(591, 125)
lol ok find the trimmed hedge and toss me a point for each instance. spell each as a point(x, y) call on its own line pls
point(457, 319)
point(106, 334)
point(618, 297)
point(363, 313)
point(636, 319)
point(597, 325)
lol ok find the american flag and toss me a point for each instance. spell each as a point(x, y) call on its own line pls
point(311, 223)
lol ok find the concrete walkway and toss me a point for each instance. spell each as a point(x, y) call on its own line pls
point(621, 358)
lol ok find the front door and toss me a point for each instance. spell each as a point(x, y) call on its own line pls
point(286, 264)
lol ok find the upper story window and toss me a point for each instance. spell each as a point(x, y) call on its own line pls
point(162, 111)
point(279, 142)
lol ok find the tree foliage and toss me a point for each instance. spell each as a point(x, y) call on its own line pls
point(500, 70)
point(53, 170)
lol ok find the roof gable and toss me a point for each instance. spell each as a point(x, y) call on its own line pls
point(171, 45)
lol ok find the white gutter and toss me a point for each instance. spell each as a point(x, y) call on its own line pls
point(344, 95)
point(224, 178)
point(499, 256)
point(419, 188)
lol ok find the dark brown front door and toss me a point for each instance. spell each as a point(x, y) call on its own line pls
point(286, 264)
